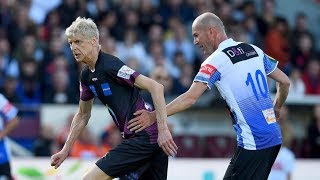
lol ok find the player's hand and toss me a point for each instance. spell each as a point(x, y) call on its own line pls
point(166, 142)
point(142, 120)
point(58, 158)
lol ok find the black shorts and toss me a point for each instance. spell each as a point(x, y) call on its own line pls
point(251, 164)
point(5, 170)
point(135, 158)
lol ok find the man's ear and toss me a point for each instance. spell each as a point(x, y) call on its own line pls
point(94, 41)
point(212, 31)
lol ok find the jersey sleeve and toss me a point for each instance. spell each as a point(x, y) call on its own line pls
point(208, 74)
point(269, 63)
point(85, 92)
point(123, 73)
point(7, 110)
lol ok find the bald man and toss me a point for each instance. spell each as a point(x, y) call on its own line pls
point(239, 71)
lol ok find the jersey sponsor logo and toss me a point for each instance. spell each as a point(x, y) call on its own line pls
point(94, 79)
point(269, 115)
point(208, 69)
point(125, 72)
point(240, 52)
point(106, 89)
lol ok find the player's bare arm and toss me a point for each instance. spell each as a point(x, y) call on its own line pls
point(80, 120)
point(165, 140)
point(181, 103)
point(283, 84)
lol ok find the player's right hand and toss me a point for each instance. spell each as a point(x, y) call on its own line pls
point(58, 158)
point(142, 120)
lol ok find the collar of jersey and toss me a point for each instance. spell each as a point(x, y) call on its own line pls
point(226, 43)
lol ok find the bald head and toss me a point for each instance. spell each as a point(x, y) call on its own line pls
point(208, 20)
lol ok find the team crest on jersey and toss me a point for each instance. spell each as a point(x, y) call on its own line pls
point(208, 69)
point(125, 72)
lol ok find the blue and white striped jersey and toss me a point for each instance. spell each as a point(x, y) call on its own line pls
point(7, 113)
point(239, 72)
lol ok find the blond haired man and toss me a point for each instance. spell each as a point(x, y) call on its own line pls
point(117, 86)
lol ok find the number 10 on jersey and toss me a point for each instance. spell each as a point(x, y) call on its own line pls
point(260, 82)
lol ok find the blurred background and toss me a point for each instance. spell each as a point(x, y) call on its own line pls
point(40, 76)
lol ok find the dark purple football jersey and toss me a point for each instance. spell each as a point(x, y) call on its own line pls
point(113, 83)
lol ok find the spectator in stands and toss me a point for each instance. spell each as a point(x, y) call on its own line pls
point(177, 8)
point(131, 47)
point(267, 17)
point(182, 84)
point(44, 145)
point(108, 45)
point(20, 26)
point(52, 21)
point(157, 58)
point(29, 49)
point(131, 22)
point(155, 34)
point(311, 76)
point(251, 31)
point(28, 89)
point(297, 88)
point(303, 51)
point(277, 43)
point(300, 28)
point(9, 120)
point(60, 91)
point(162, 76)
point(148, 15)
point(283, 166)
point(9, 89)
point(6, 9)
point(110, 20)
point(68, 11)
point(8, 65)
point(314, 133)
point(109, 138)
point(179, 42)
point(85, 146)
point(97, 7)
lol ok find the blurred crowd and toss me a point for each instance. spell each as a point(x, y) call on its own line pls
point(151, 36)
point(37, 66)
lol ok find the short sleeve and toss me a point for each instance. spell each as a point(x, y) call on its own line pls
point(85, 92)
point(269, 63)
point(208, 74)
point(7, 110)
point(123, 73)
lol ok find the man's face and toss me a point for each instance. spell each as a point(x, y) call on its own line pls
point(201, 38)
point(80, 47)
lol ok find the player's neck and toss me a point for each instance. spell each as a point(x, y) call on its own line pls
point(220, 38)
point(93, 60)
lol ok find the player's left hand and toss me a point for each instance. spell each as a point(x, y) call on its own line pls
point(166, 142)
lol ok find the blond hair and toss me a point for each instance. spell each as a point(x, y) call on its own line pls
point(84, 26)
